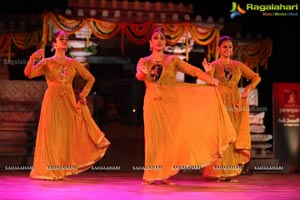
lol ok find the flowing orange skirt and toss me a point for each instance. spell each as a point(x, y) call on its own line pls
point(186, 127)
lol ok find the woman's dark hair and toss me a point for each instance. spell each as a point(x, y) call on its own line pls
point(56, 34)
point(158, 30)
point(224, 38)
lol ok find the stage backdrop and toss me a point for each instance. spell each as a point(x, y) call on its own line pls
point(286, 124)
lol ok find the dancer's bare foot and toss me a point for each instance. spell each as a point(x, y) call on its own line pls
point(228, 179)
point(233, 180)
point(167, 182)
point(145, 182)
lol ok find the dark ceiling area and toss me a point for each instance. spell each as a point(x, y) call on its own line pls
point(32, 6)
point(283, 31)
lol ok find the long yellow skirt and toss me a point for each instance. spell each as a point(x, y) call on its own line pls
point(68, 140)
point(238, 153)
point(186, 127)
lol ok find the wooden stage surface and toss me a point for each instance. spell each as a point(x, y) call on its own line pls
point(106, 185)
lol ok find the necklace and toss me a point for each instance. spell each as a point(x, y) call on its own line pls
point(158, 59)
point(226, 63)
point(60, 60)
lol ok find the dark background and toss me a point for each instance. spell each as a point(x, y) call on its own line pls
point(284, 31)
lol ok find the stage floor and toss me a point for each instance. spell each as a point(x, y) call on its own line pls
point(127, 185)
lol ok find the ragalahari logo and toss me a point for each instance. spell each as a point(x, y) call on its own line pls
point(236, 10)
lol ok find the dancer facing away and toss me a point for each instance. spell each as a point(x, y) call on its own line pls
point(68, 140)
point(229, 72)
point(181, 131)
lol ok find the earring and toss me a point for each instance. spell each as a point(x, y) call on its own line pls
point(53, 47)
point(150, 48)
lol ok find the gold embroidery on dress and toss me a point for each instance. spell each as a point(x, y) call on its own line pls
point(63, 73)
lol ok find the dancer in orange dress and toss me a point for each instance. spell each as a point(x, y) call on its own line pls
point(229, 72)
point(68, 140)
point(186, 125)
